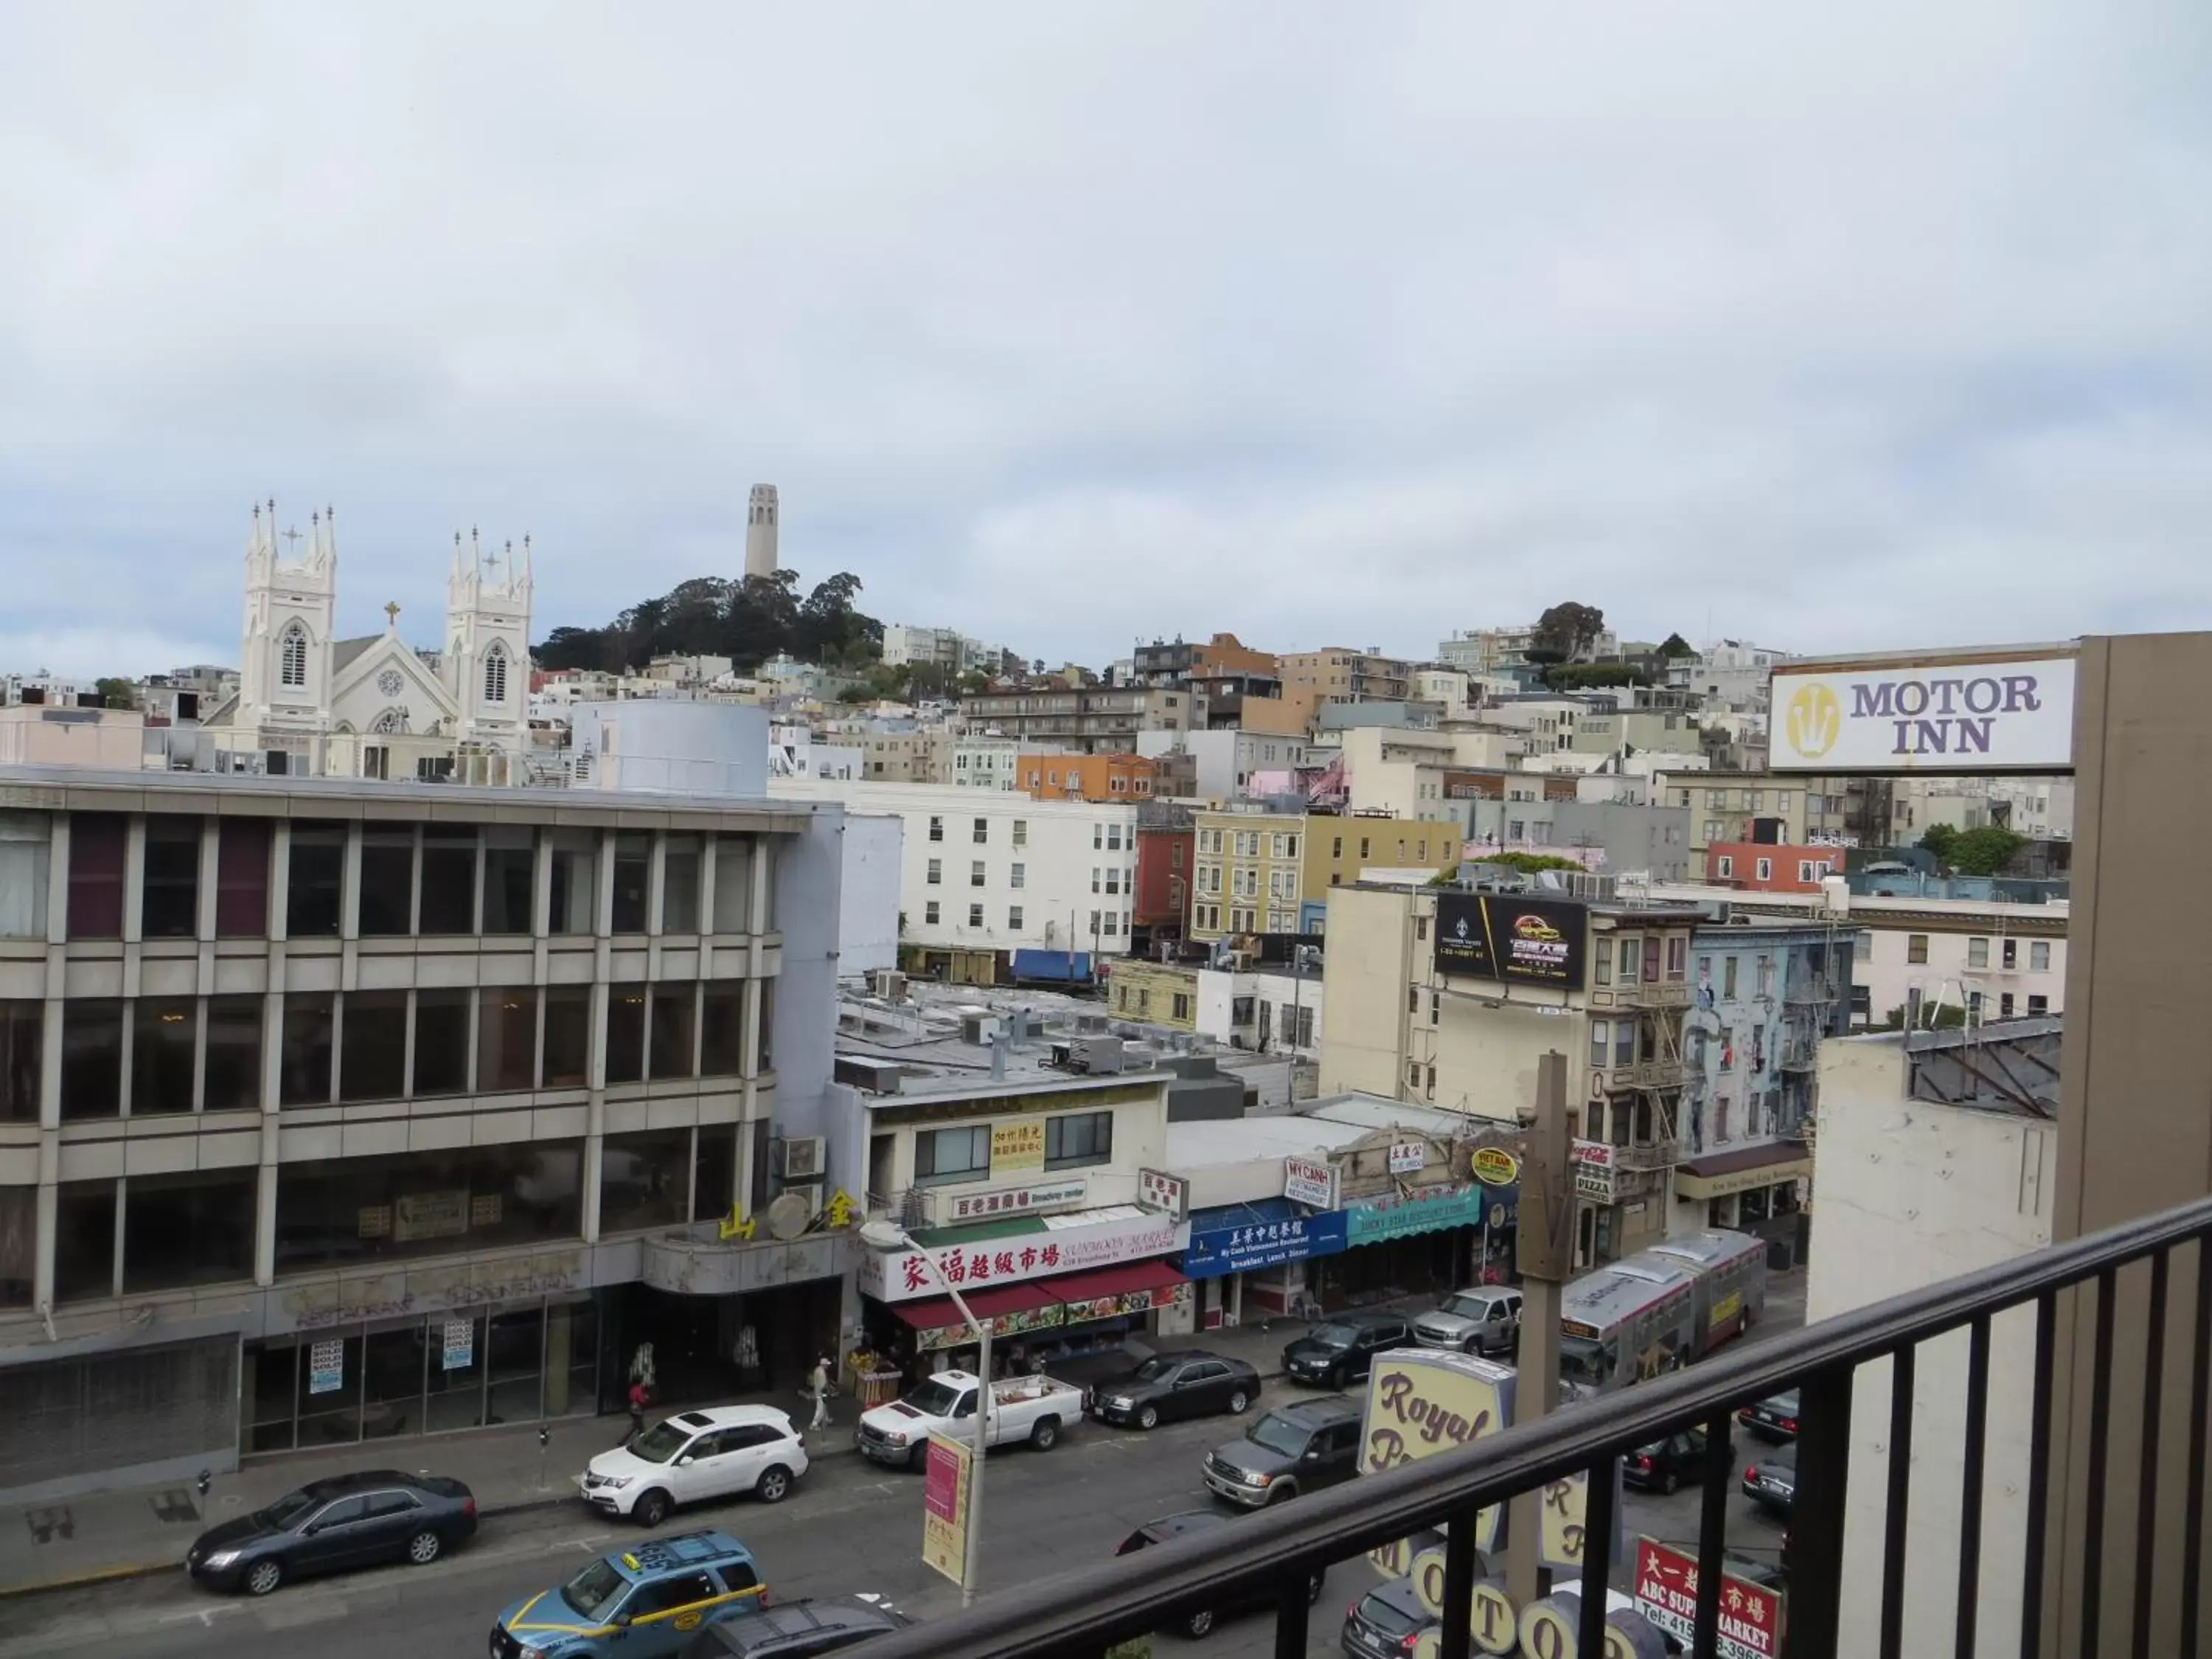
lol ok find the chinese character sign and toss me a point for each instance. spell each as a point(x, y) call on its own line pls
point(1666, 1593)
point(1017, 1146)
point(944, 1507)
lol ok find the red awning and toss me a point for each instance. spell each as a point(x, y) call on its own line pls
point(936, 1312)
point(1115, 1281)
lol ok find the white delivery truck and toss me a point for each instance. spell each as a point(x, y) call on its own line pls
point(1025, 1411)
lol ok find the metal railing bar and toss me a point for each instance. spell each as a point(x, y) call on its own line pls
point(2036, 1546)
point(1122, 1598)
point(2093, 1527)
point(2146, 1542)
point(2200, 1399)
point(1969, 1490)
point(1816, 1514)
point(1597, 1553)
point(1459, 1586)
point(1712, 1533)
point(1292, 1603)
point(1897, 1509)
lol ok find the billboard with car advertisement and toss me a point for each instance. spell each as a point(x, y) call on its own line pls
point(1512, 938)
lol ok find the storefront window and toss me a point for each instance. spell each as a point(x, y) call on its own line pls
point(191, 1228)
point(455, 1384)
point(645, 1180)
point(392, 1381)
point(232, 1083)
point(343, 1211)
point(517, 1350)
point(164, 1036)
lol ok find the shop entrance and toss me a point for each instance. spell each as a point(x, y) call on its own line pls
point(711, 1347)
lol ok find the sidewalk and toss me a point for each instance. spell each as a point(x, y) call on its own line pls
point(138, 1533)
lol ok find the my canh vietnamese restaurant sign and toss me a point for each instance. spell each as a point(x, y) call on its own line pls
point(1976, 712)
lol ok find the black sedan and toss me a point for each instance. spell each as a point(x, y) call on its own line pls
point(1774, 1418)
point(1771, 1482)
point(1387, 1622)
point(349, 1521)
point(1191, 1383)
point(798, 1630)
point(1201, 1621)
point(1342, 1350)
point(1677, 1461)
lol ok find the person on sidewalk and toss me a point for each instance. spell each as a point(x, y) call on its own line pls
point(640, 1398)
point(817, 1384)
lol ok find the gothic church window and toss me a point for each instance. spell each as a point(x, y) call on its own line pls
point(293, 656)
point(495, 674)
point(391, 722)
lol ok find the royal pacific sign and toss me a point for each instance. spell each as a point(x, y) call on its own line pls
point(1974, 713)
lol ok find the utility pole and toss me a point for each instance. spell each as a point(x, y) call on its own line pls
point(1544, 1245)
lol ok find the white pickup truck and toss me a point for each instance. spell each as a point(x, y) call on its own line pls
point(1025, 1411)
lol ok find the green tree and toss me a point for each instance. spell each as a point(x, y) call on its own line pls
point(1938, 840)
point(1675, 645)
point(1566, 630)
point(116, 692)
point(1527, 863)
point(1986, 850)
point(1589, 675)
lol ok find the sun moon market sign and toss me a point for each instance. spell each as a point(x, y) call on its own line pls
point(1971, 711)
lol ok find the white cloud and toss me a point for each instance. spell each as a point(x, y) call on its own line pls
point(1068, 323)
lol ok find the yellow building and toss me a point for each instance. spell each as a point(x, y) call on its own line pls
point(1252, 872)
point(1155, 992)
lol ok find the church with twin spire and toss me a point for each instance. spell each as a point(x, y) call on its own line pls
point(311, 703)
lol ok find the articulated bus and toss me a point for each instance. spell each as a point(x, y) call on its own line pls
point(1659, 1309)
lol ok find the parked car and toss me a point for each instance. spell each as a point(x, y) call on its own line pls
point(1677, 1461)
point(1342, 1350)
point(642, 1602)
point(799, 1630)
point(1291, 1450)
point(1774, 1418)
point(1388, 1622)
point(1771, 1482)
point(1190, 1384)
point(695, 1457)
point(1025, 1411)
point(1166, 1530)
point(1485, 1319)
point(347, 1520)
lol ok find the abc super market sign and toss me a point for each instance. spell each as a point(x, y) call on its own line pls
point(1977, 714)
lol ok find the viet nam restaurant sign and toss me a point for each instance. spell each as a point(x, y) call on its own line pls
point(1978, 713)
point(1512, 938)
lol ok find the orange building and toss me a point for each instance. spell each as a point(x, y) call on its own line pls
point(1117, 777)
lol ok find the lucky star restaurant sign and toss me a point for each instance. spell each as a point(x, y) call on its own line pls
point(1979, 713)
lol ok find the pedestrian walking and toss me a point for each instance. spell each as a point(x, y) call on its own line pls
point(817, 1384)
point(639, 1397)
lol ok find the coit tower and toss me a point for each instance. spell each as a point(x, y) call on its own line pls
point(760, 532)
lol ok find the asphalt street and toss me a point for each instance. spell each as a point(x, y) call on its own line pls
point(849, 1527)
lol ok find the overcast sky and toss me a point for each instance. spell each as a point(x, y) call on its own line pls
point(1062, 324)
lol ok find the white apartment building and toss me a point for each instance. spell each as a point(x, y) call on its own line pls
point(1225, 762)
point(984, 763)
point(943, 647)
point(986, 872)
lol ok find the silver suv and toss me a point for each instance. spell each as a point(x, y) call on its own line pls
point(1485, 1319)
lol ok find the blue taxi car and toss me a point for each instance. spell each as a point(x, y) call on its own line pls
point(637, 1603)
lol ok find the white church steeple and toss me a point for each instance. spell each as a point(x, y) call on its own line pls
point(486, 666)
point(284, 681)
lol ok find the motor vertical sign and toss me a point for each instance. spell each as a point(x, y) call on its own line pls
point(944, 1507)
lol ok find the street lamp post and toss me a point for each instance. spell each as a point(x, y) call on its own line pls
point(884, 1235)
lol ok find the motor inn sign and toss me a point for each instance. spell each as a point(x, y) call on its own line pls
point(1968, 712)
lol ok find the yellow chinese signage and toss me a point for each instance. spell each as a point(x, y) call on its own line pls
point(1017, 1146)
point(944, 1507)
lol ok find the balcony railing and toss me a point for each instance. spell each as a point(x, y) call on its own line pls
point(1661, 993)
point(1269, 1558)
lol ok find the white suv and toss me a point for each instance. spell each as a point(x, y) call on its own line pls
point(724, 1451)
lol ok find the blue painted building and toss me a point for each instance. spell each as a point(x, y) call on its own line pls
point(1765, 997)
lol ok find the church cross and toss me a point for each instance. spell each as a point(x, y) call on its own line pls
point(291, 536)
point(392, 613)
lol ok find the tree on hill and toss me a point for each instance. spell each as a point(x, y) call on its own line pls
point(1984, 850)
point(115, 692)
point(1675, 645)
point(1591, 676)
point(747, 621)
point(1566, 630)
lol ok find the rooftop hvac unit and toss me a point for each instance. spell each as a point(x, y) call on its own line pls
point(888, 984)
point(1098, 1055)
point(978, 1029)
point(798, 1157)
point(1091, 1024)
